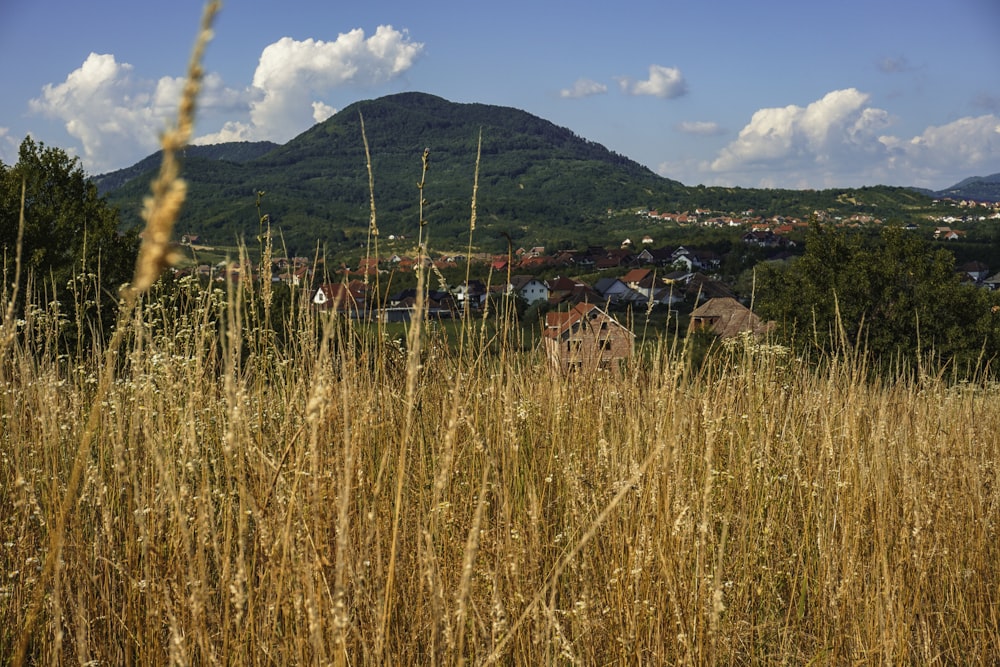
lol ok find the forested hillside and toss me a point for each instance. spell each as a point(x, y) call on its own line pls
point(537, 181)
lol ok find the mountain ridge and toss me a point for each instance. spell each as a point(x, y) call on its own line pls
point(977, 188)
point(232, 151)
point(535, 179)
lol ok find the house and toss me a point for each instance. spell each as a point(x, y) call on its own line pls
point(612, 259)
point(975, 271)
point(993, 282)
point(947, 234)
point(529, 288)
point(658, 256)
point(438, 304)
point(470, 293)
point(727, 317)
point(586, 339)
point(703, 288)
point(568, 290)
point(705, 259)
point(637, 277)
point(348, 297)
point(612, 289)
point(534, 263)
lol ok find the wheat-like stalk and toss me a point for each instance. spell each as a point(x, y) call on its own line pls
point(160, 213)
point(161, 209)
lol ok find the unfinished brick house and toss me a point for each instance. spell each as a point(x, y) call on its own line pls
point(727, 317)
point(586, 339)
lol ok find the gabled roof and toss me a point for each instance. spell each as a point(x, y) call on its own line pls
point(341, 295)
point(636, 276)
point(561, 283)
point(728, 317)
point(519, 281)
point(702, 285)
point(557, 323)
point(604, 285)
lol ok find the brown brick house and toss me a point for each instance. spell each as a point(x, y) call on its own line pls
point(586, 338)
point(727, 317)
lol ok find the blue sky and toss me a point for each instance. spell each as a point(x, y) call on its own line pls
point(776, 93)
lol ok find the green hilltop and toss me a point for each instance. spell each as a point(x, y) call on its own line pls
point(537, 181)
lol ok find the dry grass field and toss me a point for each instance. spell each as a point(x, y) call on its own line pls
point(347, 499)
point(196, 491)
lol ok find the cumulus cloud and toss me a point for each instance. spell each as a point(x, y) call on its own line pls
point(583, 88)
point(104, 107)
point(958, 148)
point(841, 140)
point(232, 130)
point(830, 131)
point(322, 111)
point(663, 82)
point(117, 116)
point(701, 128)
point(114, 114)
point(292, 75)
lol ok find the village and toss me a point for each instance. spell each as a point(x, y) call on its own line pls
point(578, 293)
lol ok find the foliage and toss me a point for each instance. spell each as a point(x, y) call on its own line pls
point(72, 245)
point(894, 295)
point(233, 151)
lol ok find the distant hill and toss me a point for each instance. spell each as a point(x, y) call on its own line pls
point(236, 151)
point(978, 188)
point(537, 181)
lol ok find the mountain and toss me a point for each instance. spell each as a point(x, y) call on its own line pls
point(532, 172)
point(236, 151)
point(978, 188)
point(537, 181)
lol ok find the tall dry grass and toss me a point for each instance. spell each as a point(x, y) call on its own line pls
point(246, 504)
point(196, 493)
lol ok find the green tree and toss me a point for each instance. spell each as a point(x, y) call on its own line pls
point(894, 294)
point(71, 243)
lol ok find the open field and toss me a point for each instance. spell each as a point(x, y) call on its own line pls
point(214, 481)
point(211, 496)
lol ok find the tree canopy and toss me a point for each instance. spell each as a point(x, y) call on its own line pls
point(893, 294)
point(70, 231)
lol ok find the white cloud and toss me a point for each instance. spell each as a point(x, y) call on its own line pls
point(841, 141)
point(583, 88)
point(104, 107)
point(231, 131)
point(664, 82)
point(701, 128)
point(831, 133)
point(117, 116)
point(322, 111)
point(292, 74)
point(957, 149)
